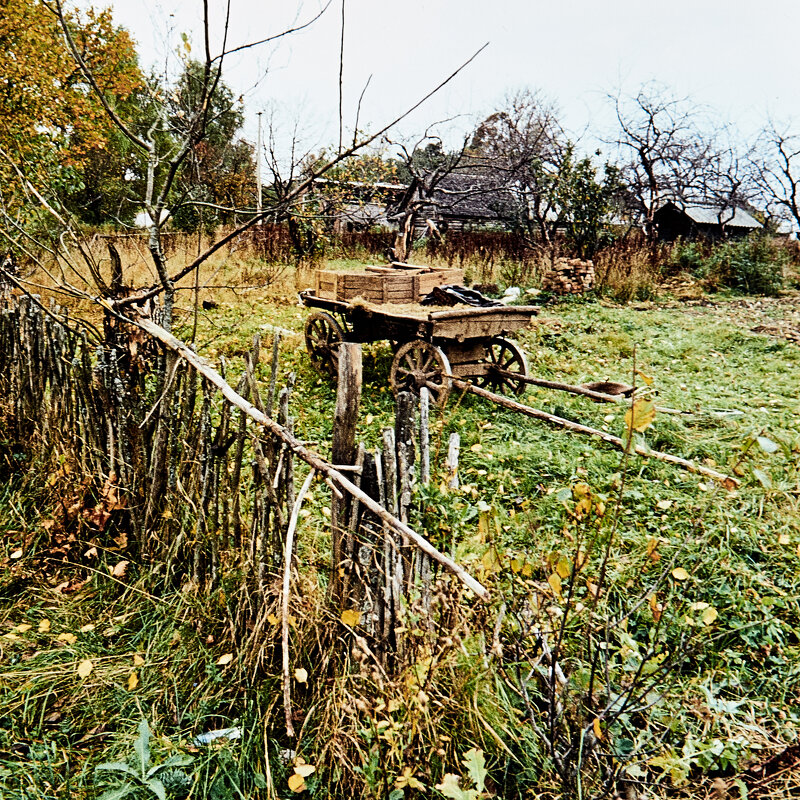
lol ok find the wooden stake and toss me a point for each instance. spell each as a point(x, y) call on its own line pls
point(287, 574)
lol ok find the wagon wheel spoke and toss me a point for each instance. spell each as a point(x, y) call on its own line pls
point(419, 364)
point(504, 356)
point(323, 334)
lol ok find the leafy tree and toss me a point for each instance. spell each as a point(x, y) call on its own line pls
point(585, 202)
point(216, 179)
point(53, 129)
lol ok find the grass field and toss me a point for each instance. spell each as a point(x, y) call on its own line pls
point(723, 565)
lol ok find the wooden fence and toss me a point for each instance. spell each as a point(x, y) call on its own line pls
point(195, 489)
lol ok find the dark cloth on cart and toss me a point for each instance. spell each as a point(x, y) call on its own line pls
point(453, 294)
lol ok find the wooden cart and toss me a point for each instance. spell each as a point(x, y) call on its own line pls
point(430, 346)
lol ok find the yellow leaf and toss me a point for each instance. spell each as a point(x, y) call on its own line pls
point(527, 570)
point(393, 705)
point(641, 415)
point(23, 627)
point(476, 448)
point(296, 783)
point(489, 560)
point(67, 638)
point(44, 626)
point(351, 617)
point(680, 574)
point(784, 539)
point(598, 731)
point(224, 660)
point(304, 770)
point(272, 619)
point(86, 628)
point(85, 668)
point(563, 568)
point(16, 554)
point(300, 675)
point(138, 661)
point(133, 681)
point(648, 380)
point(663, 504)
point(555, 583)
point(652, 547)
point(655, 607)
point(709, 615)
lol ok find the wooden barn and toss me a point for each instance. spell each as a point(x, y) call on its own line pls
point(702, 221)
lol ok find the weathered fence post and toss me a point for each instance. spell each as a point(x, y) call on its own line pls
point(343, 451)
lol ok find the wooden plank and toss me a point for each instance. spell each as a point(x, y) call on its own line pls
point(466, 352)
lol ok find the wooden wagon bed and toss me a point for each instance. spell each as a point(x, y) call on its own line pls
point(431, 344)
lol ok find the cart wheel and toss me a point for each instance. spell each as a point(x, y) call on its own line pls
point(417, 364)
point(505, 355)
point(323, 336)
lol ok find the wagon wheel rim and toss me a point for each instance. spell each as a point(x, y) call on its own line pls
point(505, 355)
point(417, 364)
point(323, 337)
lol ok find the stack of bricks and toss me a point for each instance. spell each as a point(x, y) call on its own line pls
point(570, 276)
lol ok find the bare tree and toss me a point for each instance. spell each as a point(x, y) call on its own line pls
point(522, 146)
point(775, 171)
point(426, 166)
point(664, 152)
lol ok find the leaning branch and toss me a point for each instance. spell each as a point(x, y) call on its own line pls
point(311, 458)
point(726, 480)
point(295, 193)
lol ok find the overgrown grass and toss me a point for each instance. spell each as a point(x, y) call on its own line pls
point(155, 653)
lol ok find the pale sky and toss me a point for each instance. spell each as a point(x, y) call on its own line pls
point(741, 59)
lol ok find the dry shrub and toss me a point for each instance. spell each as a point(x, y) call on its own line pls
point(630, 269)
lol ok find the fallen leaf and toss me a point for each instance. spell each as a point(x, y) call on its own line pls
point(86, 628)
point(663, 504)
point(296, 783)
point(272, 619)
point(304, 770)
point(23, 627)
point(784, 539)
point(351, 617)
point(709, 615)
point(476, 448)
point(767, 445)
point(300, 675)
point(85, 668)
point(555, 583)
point(450, 787)
point(67, 638)
point(138, 661)
point(598, 731)
point(224, 660)
point(120, 569)
point(652, 550)
point(563, 568)
point(133, 681)
point(655, 607)
point(16, 554)
point(44, 626)
point(680, 574)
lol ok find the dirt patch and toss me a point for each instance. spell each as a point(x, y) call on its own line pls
point(778, 317)
point(778, 776)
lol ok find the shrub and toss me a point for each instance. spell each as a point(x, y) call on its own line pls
point(688, 256)
point(755, 265)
